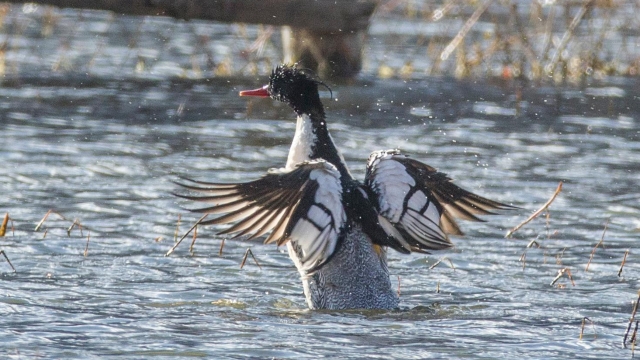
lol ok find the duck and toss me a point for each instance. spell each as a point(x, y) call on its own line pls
point(338, 229)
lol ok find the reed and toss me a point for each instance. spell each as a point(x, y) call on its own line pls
point(7, 258)
point(624, 260)
point(3, 227)
point(244, 259)
point(536, 213)
point(600, 243)
point(185, 235)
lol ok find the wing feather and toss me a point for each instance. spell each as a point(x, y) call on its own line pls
point(302, 205)
point(421, 202)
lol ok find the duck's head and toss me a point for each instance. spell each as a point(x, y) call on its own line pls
point(294, 87)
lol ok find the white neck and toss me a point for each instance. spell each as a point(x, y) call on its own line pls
point(302, 141)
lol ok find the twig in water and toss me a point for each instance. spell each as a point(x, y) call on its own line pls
point(3, 227)
point(158, 239)
point(440, 260)
point(175, 234)
point(221, 247)
point(631, 320)
point(584, 320)
point(562, 272)
point(244, 259)
point(193, 242)
point(438, 287)
point(185, 235)
point(43, 220)
point(86, 248)
point(624, 260)
point(538, 212)
point(601, 242)
point(398, 285)
point(532, 243)
point(45, 233)
point(633, 340)
point(523, 259)
point(75, 221)
point(9, 261)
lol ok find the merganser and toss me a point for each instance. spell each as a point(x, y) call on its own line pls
point(337, 229)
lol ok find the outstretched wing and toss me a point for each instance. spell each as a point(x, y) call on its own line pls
point(303, 205)
point(421, 202)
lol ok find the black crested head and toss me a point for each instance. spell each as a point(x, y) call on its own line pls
point(296, 88)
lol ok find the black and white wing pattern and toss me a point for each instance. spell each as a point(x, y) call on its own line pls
point(303, 205)
point(421, 202)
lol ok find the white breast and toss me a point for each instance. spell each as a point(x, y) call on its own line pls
point(302, 141)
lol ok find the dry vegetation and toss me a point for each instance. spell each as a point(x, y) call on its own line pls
point(568, 40)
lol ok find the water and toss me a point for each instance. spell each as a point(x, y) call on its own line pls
point(95, 137)
point(105, 152)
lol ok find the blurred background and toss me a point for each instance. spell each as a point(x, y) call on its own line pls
point(538, 40)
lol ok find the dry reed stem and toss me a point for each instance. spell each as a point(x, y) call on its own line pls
point(561, 272)
point(86, 247)
point(440, 260)
point(193, 242)
point(221, 247)
point(185, 235)
point(438, 287)
point(75, 222)
point(244, 259)
point(175, 234)
point(43, 220)
point(601, 242)
point(584, 320)
point(398, 285)
point(550, 67)
point(7, 258)
point(633, 343)
point(631, 320)
point(523, 259)
point(624, 260)
point(538, 212)
point(444, 55)
point(3, 227)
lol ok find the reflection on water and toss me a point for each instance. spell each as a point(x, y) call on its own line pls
point(105, 153)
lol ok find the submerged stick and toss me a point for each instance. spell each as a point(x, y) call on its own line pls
point(9, 261)
point(595, 247)
point(624, 260)
point(244, 259)
point(185, 235)
point(3, 227)
point(538, 212)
